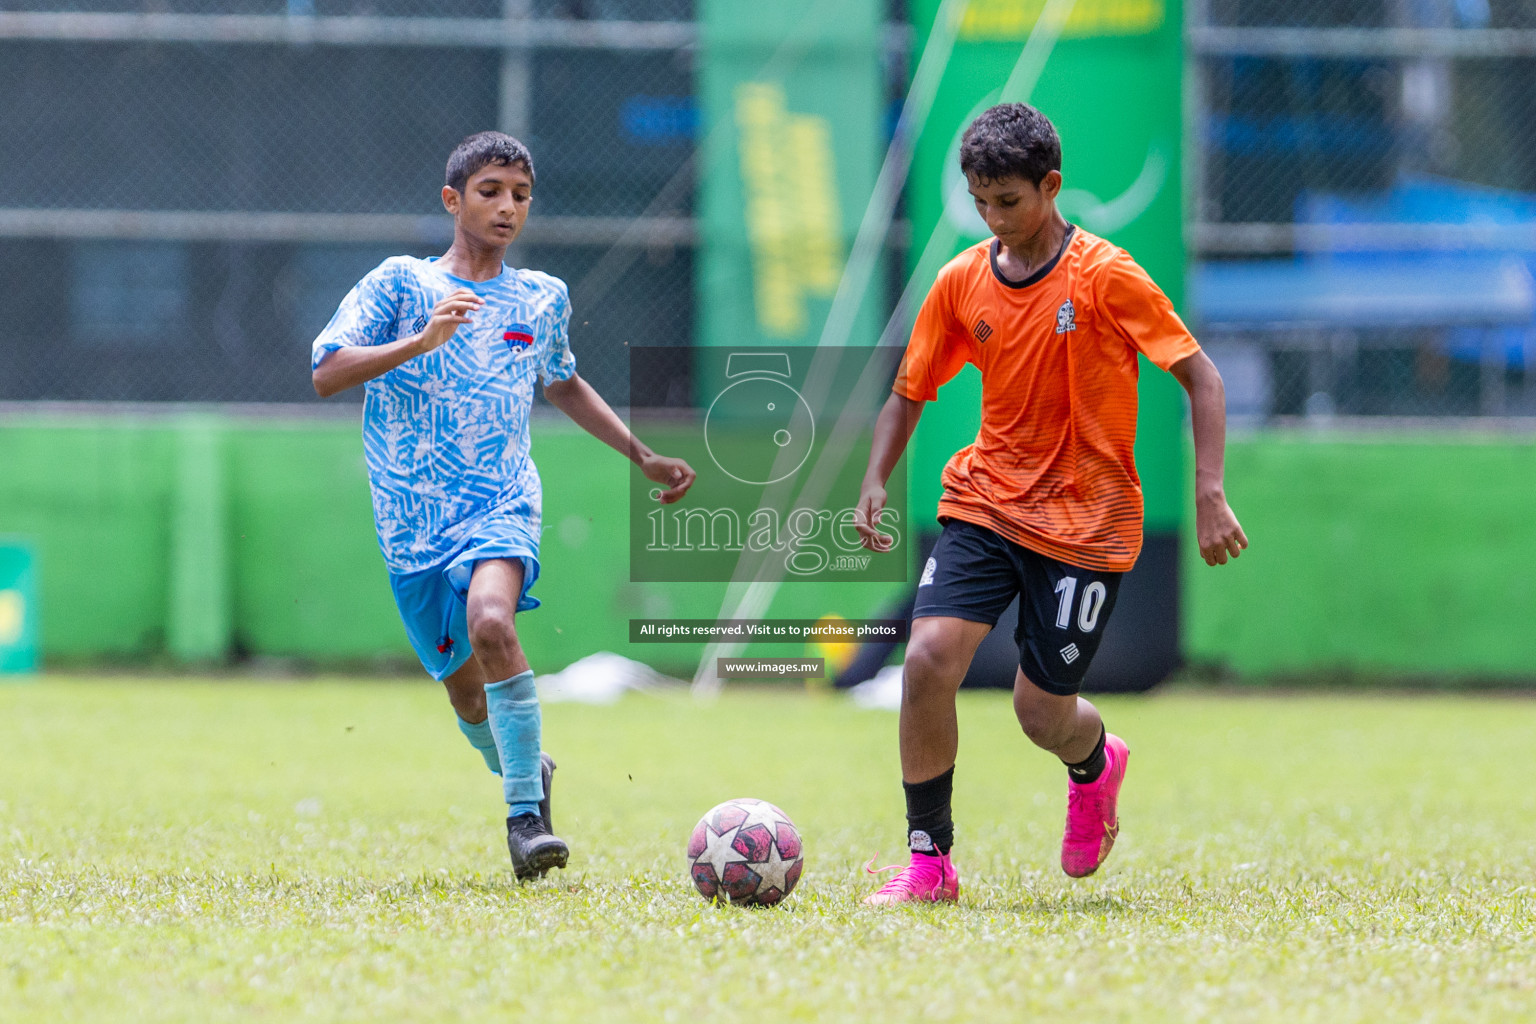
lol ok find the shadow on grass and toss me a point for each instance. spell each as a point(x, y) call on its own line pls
point(1034, 899)
point(1086, 905)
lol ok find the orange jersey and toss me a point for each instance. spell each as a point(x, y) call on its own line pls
point(1052, 467)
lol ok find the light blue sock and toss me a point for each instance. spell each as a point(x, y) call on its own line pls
point(515, 723)
point(479, 736)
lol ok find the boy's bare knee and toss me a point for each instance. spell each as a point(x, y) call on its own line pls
point(928, 670)
point(493, 628)
point(1044, 723)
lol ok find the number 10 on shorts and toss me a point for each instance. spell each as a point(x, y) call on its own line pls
point(1094, 595)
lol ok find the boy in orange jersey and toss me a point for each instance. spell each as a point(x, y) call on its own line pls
point(1046, 504)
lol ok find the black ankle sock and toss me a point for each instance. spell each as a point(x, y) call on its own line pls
point(1091, 767)
point(930, 829)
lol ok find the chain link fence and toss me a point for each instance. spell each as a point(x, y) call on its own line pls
point(1364, 204)
point(189, 187)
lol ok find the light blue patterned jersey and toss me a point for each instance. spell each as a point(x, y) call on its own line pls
point(446, 433)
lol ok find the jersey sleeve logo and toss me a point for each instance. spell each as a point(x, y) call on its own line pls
point(519, 337)
point(1066, 318)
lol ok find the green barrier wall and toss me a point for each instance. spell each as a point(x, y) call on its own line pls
point(1373, 556)
point(194, 538)
point(1392, 556)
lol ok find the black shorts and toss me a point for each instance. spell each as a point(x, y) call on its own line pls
point(974, 574)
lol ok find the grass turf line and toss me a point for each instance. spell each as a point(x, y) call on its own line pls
point(332, 851)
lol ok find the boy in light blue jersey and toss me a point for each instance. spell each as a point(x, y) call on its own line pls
point(448, 349)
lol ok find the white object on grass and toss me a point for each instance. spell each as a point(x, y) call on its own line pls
point(881, 693)
point(601, 678)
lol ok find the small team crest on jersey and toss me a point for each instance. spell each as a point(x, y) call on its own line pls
point(1066, 318)
point(519, 337)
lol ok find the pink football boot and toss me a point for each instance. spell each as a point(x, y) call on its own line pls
point(926, 879)
point(1092, 820)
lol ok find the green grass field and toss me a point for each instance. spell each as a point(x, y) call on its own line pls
point(203, 851)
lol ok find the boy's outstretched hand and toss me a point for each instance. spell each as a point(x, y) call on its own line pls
point(586, 408)
point(1217, 530)
point(867, 518)
point(676, 474)
point(454, 309)
point(357, 364)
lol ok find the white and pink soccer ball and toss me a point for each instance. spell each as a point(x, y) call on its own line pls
point(745, 851)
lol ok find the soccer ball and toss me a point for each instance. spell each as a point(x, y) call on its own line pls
point(746, 851)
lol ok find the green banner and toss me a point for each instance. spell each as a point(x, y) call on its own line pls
point(18, 608)
point(790, 95)
point(1107, 74)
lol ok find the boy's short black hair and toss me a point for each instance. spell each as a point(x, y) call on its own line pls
point(481, 150)
point(1010, 140)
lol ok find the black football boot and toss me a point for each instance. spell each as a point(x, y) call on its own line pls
point(534, 848)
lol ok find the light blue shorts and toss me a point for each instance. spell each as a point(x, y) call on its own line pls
point(433, 602)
